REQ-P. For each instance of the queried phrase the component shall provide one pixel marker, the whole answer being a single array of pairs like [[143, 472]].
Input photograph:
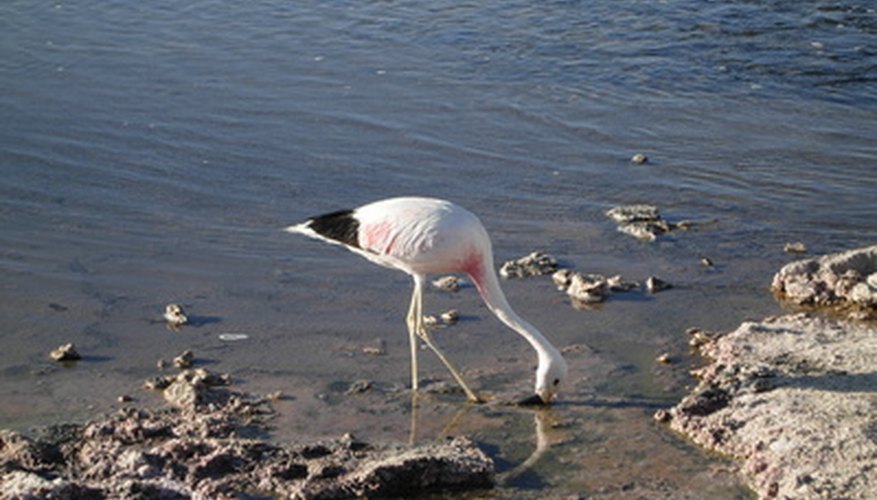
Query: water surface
[[150, 153]]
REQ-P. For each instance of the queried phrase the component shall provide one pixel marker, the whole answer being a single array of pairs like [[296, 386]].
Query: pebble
[[124, 398], [655, 284], [175, 315], [66, 352], [705, 262], [447, 283], [664, 359], [359, 387], [663, 416], [161, 364], [796, 247], [185, 359], [379, 349], [617, 284], [450, 317], [157, 383], [639, 159], [430, 320]]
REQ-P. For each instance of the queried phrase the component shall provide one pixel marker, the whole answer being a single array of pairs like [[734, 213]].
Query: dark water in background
[[150, 151]]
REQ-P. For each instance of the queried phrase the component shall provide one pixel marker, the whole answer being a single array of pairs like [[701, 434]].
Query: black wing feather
[[340, 226]]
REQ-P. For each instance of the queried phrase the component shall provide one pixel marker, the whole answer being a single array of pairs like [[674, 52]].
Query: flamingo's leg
[[422, 332]]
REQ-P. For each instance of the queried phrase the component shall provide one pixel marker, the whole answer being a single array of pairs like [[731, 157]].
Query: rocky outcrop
[[794, 398], [841, 279], [203, 447]]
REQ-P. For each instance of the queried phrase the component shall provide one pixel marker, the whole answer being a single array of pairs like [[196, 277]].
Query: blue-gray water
[[150, 151]]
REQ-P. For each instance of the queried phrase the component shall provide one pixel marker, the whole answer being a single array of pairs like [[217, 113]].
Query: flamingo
[[423, 236]]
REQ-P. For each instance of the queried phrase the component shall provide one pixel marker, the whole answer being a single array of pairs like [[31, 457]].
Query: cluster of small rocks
[[840, 279], [447, 318], [589, 289], [643, 222], [197, 448], [535, 264]]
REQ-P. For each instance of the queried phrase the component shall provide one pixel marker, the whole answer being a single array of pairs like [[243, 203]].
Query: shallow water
[[149, 154]]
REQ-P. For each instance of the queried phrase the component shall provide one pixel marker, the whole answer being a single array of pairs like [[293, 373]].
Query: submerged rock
[[535, 264], [197, 451], [846, 278], [792, 399]]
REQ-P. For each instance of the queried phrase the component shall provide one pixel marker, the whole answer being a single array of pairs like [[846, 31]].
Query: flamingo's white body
[[422, 236]]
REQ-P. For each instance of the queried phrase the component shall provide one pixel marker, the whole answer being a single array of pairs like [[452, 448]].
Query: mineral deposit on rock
[[792, 398], [835, 279]]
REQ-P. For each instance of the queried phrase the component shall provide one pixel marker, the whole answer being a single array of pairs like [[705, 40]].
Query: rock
[[663, 416], [447, 283], [185, 359], [639, 159], [378, 349], [430, 320], [617, 284], [634, 213], [450, 317], [791, 398], [664, 359], [562, 278], [587, 289], [66, 352], [535, 264], [655, 284], [175, 315], [359, 387], [797, 247], [643, 222], [196, 451], [840, 279]]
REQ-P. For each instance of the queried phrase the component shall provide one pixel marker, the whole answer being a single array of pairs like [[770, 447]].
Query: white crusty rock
[[535, 264], [792, 399], [846, 278]]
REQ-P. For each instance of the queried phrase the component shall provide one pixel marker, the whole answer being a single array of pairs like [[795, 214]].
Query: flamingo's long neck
[[487, 283]]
